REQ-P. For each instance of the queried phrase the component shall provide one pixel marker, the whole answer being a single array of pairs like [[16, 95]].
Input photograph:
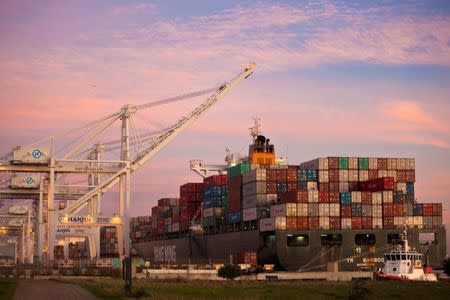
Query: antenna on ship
[[256, 129]]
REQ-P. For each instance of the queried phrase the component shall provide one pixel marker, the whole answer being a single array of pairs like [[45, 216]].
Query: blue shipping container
[[346, 198], [234, 218]]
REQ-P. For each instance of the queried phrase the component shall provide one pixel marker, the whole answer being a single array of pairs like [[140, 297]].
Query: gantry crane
[[43, 160]]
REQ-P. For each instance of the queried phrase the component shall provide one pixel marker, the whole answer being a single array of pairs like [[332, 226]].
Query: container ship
[[343, 211]]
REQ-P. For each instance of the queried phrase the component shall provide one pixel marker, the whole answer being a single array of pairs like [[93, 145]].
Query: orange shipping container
[[291, 223], [302, 223]]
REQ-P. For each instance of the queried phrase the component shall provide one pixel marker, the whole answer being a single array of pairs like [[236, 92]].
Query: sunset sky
[[332, 79]]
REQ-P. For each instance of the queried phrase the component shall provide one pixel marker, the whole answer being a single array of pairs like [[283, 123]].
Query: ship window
[[403, 256], [427, 238], [395, 238], [397, 256], [297, 240], [331, 239], [365, 239]]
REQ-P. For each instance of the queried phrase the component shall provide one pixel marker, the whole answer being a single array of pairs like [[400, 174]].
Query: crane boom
[[162, 140]]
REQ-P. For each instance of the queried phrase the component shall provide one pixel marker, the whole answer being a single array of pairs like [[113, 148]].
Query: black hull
[[217, 248]]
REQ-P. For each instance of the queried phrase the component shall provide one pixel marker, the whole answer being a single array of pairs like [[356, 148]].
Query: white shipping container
[[323, 176], [343, 187], [363, 175], [382, 173], [388, 196], [272, 199], [410, 164], [392, 173], [280, 223], [373, 163], [377, 211], [353, 163], [311, 185], [302, 209], [346, 223], [401, 163], [249, 201], [377, 198], [392, 164], [254, 175], [256, 187], [313, 196], [324, 222], [278, 210], [399, 222], [291, 209], [377, 223], [410, 221], [418, 222], [175, 227], [324, 209], [353, 175], [356, 197], [323, 163], [335, 209], [267, 224], [343, 175], [249, 214], [401, 186]]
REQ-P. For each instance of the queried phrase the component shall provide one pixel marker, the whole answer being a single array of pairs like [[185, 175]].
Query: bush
[[229, 272], [359, 291], [447, 266]]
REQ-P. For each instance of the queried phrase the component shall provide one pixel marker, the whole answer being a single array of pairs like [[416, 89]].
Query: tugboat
[[404, 264]]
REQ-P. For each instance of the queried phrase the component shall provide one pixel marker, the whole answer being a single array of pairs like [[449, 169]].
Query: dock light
[[115, 219]]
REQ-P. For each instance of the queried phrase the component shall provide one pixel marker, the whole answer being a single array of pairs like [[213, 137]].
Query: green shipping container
[[208, 221], [363, 163], [343, 162], [239, 169]]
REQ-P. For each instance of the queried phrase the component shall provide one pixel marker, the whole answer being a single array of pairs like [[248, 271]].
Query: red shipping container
[[302, 196], [333, 163], [324, 197], [353, 186], [335, 223], [215, 180], [302, 223], [427, 209], [281, 175], [388, 222], [191, 187], [184, 225], [346, 210], [313, 222], [333, 175], [356, 222], [324, 186], [288, 197], [271, 187], [366, 197], [334, 197], [367, 223], [382, 164], [401, 176], [291, 174], [291, 223], [380, 184], [271, 175], [292, 186], [410, 176], [437, 209], [388, 209], [334, 186], [373, 174], [398, 210]]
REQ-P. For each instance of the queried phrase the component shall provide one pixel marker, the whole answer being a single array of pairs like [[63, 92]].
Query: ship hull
[[274, 248]]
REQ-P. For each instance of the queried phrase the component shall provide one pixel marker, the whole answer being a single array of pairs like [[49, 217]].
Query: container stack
[[215, 201], [140, 228], [191, 197], [108, 240], [235, 192], [166, 216]]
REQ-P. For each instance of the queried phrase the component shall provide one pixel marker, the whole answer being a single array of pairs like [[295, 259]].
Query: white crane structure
[[42, 170]]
